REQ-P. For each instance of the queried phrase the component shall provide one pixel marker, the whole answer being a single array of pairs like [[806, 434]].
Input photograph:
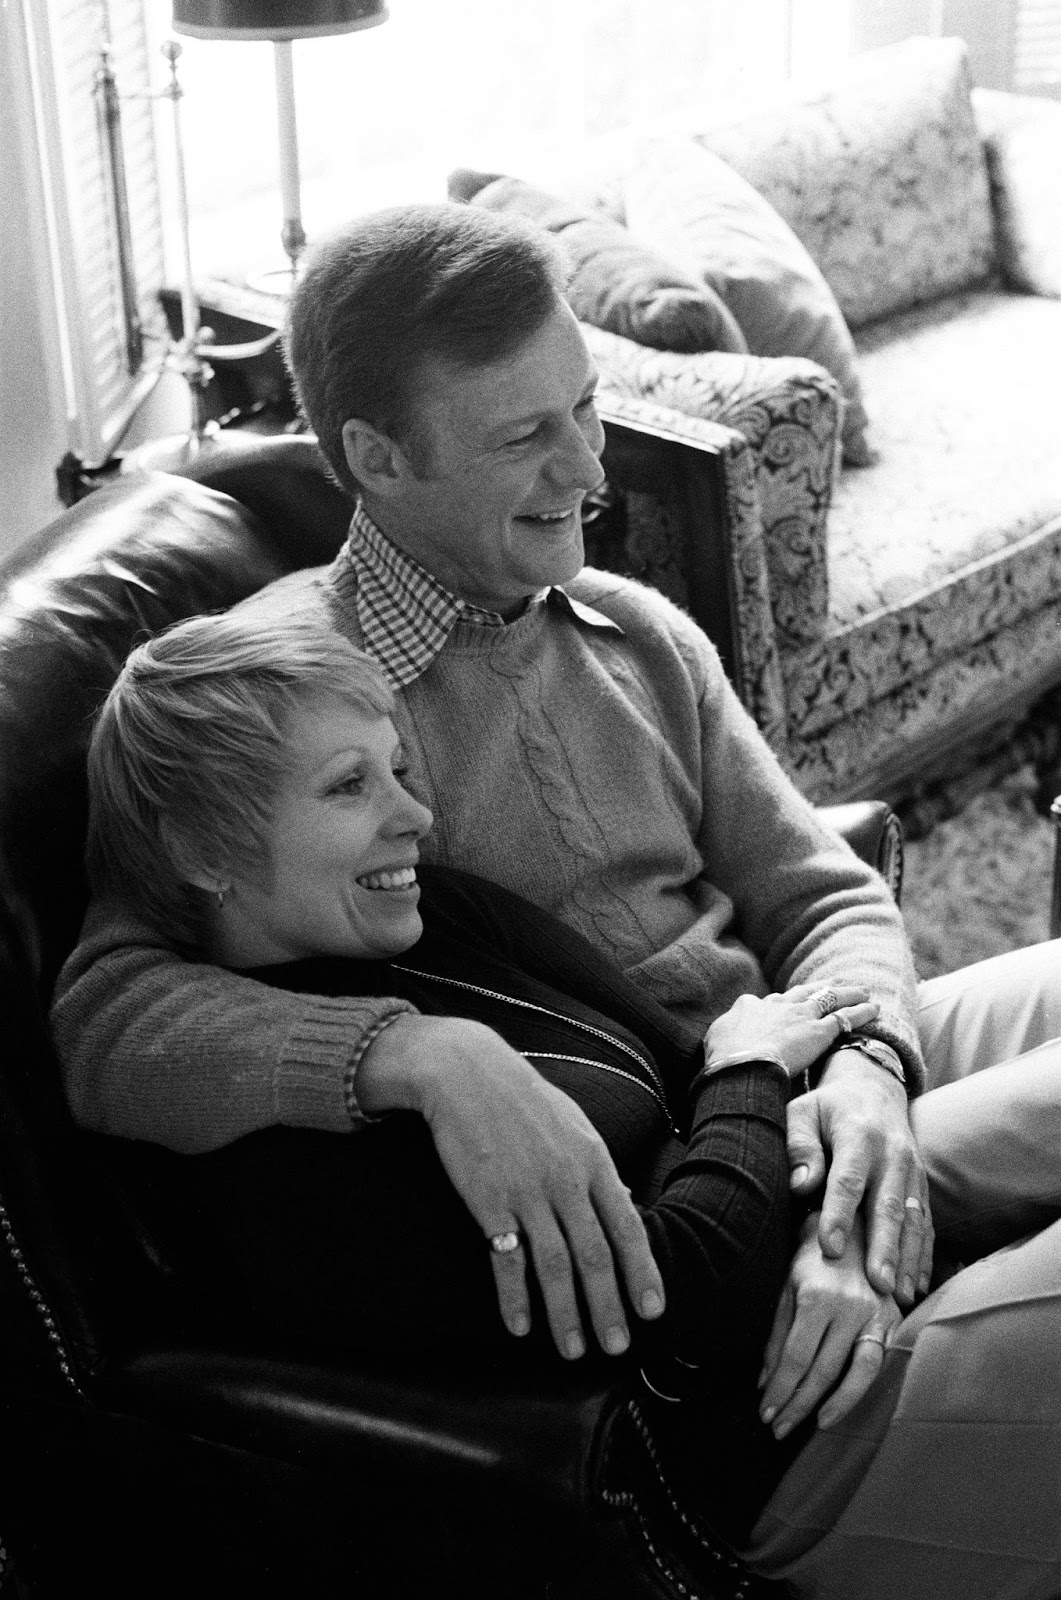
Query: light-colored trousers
[[944, 1483]]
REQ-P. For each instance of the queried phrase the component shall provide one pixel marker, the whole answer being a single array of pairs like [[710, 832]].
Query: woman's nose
[[408, 815]]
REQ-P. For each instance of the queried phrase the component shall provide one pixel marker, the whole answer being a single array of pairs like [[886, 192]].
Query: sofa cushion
[[1022, 140], [788, 410], [705, 216], [881, 174], [954, 542], [616, 282]]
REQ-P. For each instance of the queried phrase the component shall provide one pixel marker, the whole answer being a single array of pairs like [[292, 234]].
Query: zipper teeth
[[528, 1005], [602, 1066]]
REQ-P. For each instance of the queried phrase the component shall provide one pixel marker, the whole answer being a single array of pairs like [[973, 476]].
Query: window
[[1037, 47], [384, 114], [104, 274]]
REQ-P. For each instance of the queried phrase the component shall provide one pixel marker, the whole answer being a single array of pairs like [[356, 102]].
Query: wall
[[32, 404], [985, 25]]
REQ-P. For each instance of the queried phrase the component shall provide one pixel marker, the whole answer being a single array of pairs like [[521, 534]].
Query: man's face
[[506, 454]]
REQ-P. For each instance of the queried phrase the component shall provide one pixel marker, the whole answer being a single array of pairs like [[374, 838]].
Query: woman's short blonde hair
[[190, 745]]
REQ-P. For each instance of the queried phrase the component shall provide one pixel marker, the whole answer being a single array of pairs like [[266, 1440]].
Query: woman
[[247, 792]]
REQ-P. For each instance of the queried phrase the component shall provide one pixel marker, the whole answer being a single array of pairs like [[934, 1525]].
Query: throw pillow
[[616, 282], [881, 175], [705, 216], [1022, 138]]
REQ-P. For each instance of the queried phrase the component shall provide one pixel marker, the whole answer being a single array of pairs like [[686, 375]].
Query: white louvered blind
[[1037, 47], [106, 374]]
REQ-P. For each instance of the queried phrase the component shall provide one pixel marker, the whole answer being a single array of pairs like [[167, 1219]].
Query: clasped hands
[[525, 1158], [868, 1250]]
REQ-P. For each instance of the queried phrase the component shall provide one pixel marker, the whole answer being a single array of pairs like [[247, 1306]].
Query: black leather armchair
[[145, 1449]]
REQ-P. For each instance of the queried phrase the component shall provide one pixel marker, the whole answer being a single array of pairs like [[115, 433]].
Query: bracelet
[[738, 1058], [359, 1053]]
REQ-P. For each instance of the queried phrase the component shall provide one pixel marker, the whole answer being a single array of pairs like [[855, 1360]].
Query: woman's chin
[[398, 934]]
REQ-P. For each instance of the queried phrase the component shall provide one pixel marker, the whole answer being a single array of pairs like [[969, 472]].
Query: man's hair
[[189, 748], [395, 289]]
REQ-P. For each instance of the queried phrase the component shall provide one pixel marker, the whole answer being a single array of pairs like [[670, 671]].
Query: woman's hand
[[788, 1027], [526, 1159], [830, 1321]]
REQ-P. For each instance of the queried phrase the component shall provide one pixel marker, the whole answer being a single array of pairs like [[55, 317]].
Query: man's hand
[[525, 1159], [854, 1127], [828, 1337]]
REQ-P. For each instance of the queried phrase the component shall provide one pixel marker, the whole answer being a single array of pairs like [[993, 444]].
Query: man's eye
[[587, 404], [401, 773], [522, 438]]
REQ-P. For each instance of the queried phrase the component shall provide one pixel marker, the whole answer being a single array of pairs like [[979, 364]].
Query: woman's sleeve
[[719, 1225]]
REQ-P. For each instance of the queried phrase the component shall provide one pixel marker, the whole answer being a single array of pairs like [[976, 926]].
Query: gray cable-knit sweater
[[612, 778]]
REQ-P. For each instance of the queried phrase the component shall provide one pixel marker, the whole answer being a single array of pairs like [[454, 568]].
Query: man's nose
[[575, 464]]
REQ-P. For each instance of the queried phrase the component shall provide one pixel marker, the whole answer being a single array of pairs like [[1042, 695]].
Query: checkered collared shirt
[[406, 615]]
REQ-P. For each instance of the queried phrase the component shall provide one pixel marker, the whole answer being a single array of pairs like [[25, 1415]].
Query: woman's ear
[[189, 865], [373, 458]]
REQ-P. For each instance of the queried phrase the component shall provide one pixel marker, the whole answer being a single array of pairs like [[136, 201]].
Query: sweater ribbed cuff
[[353, 1066], [329, 1038]]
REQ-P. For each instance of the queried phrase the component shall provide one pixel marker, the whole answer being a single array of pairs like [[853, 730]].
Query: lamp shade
[[275, 19]]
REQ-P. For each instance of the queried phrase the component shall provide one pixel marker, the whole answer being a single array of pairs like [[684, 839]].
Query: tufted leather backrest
[[132, 557]]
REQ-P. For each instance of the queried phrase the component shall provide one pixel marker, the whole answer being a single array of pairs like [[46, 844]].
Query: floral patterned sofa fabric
[[936, 621], [788, 412], [882, 176]]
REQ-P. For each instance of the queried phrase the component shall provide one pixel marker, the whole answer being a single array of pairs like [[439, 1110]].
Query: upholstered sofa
[[890, 247]]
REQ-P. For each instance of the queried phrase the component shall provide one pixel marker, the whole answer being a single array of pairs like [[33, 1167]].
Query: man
[[577, 741]]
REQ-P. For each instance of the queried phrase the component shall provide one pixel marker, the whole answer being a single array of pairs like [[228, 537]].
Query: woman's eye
[[354, 784]]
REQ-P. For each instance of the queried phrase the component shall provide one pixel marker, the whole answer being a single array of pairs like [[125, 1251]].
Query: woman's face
[[340, 879]]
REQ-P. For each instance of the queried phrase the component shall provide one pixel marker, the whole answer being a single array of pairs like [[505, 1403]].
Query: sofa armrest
[[689, 524], [1022, 145], [874, 833], [790, 412]]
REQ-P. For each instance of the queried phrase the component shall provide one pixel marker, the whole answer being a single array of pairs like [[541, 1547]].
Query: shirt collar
[[405, 614]]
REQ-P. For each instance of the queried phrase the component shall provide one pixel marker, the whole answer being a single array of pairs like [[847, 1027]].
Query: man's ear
[[374, 459], [191, 867]]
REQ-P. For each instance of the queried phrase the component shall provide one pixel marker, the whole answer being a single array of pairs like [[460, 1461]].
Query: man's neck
[[378, 516]]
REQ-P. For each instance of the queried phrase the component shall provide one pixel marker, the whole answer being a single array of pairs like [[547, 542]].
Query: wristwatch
[[876, 1050]]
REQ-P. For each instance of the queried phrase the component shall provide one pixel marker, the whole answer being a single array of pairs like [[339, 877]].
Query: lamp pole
[[292, 234]]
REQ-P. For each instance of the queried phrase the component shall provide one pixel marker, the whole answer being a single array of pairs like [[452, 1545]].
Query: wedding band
[[843, 1019], [825, 1001], [502, 1244], [870, 1338], [914, 1204]]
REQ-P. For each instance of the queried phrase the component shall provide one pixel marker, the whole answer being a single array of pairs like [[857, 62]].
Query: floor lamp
[[281, 21]]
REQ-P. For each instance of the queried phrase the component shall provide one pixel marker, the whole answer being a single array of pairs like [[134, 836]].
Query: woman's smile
[[340, 879]]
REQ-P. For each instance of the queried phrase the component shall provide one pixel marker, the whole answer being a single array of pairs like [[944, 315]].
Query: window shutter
[[107, 371], [1037, 47]]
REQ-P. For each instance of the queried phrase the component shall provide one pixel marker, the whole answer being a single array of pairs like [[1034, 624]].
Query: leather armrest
[[875, 834]]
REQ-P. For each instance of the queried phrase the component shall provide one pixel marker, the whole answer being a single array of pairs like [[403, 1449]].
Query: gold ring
[[825, 1001], [913, 1204], [502, 1244], [871, 1338]]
